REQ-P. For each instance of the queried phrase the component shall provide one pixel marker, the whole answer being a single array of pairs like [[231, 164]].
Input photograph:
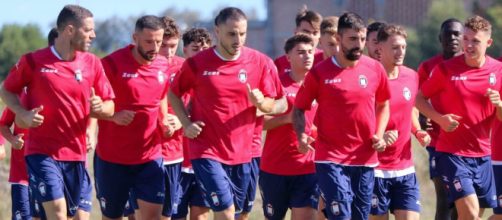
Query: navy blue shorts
[[279, 193], [464, 176], [115, 181], [172, 176], [398, 193], [347, 190], [191, 195], [20, 198], [36, 208], [253, 184], [497, 173], [223, 185], [52, 179], [131, 205], [432, 162]]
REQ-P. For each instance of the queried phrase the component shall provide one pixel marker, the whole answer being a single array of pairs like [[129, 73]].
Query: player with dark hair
[[372, 41]]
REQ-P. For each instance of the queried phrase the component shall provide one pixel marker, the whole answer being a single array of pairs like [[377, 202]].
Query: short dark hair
[[375, 27], [309, 16], [478, 23], [229, 13], [350, 20], [389, 30], [51, 37], [150, 22], [297, 39], [329, 25], [170, 27], [448, 21], [72, 14], [198, 35]]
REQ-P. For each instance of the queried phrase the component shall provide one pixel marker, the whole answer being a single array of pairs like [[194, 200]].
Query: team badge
[[406, 93], [270, 210], [335, 208], [492, 80], [458, 185], [243, 76], [214, 198], [41, 188], [161, 76], [78, 75], [374, 201], [363, 81]]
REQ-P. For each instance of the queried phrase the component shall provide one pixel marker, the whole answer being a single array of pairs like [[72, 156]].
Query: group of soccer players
[[184, 135]]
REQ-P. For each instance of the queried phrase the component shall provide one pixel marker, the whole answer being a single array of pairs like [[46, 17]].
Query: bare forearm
[[12, 101], [107, 112], [280, 106], [272, 122], [299, 122], [179, 109], [7, 134], [426, 108], [382, 118], [267, 106], [415, 123]]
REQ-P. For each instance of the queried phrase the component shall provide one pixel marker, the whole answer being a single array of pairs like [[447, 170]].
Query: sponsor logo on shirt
[[243, 76], [210, 73], [492, 79], [332, 81], [335, 208], [406, 93], [130, 75], [290, 94], [48, 70], [363, 81], [458, 78]]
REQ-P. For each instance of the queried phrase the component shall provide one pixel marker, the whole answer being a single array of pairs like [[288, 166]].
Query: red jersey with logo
[[220, 100], [424, 72], [404, 89], [172, 147], [465, 89], [138, 88], [63, 88], [280, 153], [497, 138], [345, 118], [283, 65], [18, 172]]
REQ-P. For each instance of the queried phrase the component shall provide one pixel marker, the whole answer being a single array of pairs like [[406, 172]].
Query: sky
[[44, 12]]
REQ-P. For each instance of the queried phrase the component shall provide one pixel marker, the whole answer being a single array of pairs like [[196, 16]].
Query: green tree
[[15, 40], [428, 32], [493, 14]]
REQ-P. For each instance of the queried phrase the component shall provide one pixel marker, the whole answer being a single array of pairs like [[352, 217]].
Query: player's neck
[[447, 55], [298, 75], [392, 71], [222, 53], [64, 50], [479, 62], [343, 62], [138, 57]]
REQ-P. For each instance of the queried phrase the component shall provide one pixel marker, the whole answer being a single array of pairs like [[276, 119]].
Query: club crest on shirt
[[363, 81], [161, 76], [243, 76], [406, 93], [78, 75], [171, 77], [492, 79]]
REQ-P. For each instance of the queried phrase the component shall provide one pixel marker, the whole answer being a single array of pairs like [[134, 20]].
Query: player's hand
[[449, 122], [96, 103], [18, 143], [255, 96], [90, 141], [167, 127], [193, 130], [123, 117], [423, 137], [304, 144], [390, 137], [174, 121], [31, 118], [378, 143], [494, 97], [2, 152]]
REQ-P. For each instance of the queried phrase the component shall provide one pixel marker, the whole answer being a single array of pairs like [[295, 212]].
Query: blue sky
[[44, 12]]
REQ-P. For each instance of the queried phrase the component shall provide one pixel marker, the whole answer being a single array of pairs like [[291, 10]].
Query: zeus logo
[[210, 73]]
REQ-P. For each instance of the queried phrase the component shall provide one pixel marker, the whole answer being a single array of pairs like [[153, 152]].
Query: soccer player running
[[65, 86], [353, 110], [372, 41], [396, 185], [221, 133], [128, 154], [468, 89], [307, 22], [450, 37], [287, 177], [191, 196]]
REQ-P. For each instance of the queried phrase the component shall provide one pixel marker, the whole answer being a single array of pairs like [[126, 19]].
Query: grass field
[[428, 200]]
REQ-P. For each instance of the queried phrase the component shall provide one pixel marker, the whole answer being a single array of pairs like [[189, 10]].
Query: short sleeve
[[382, 93], [184, 79], [20, 75], [435, 83], [308, 91], [101, 84]]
